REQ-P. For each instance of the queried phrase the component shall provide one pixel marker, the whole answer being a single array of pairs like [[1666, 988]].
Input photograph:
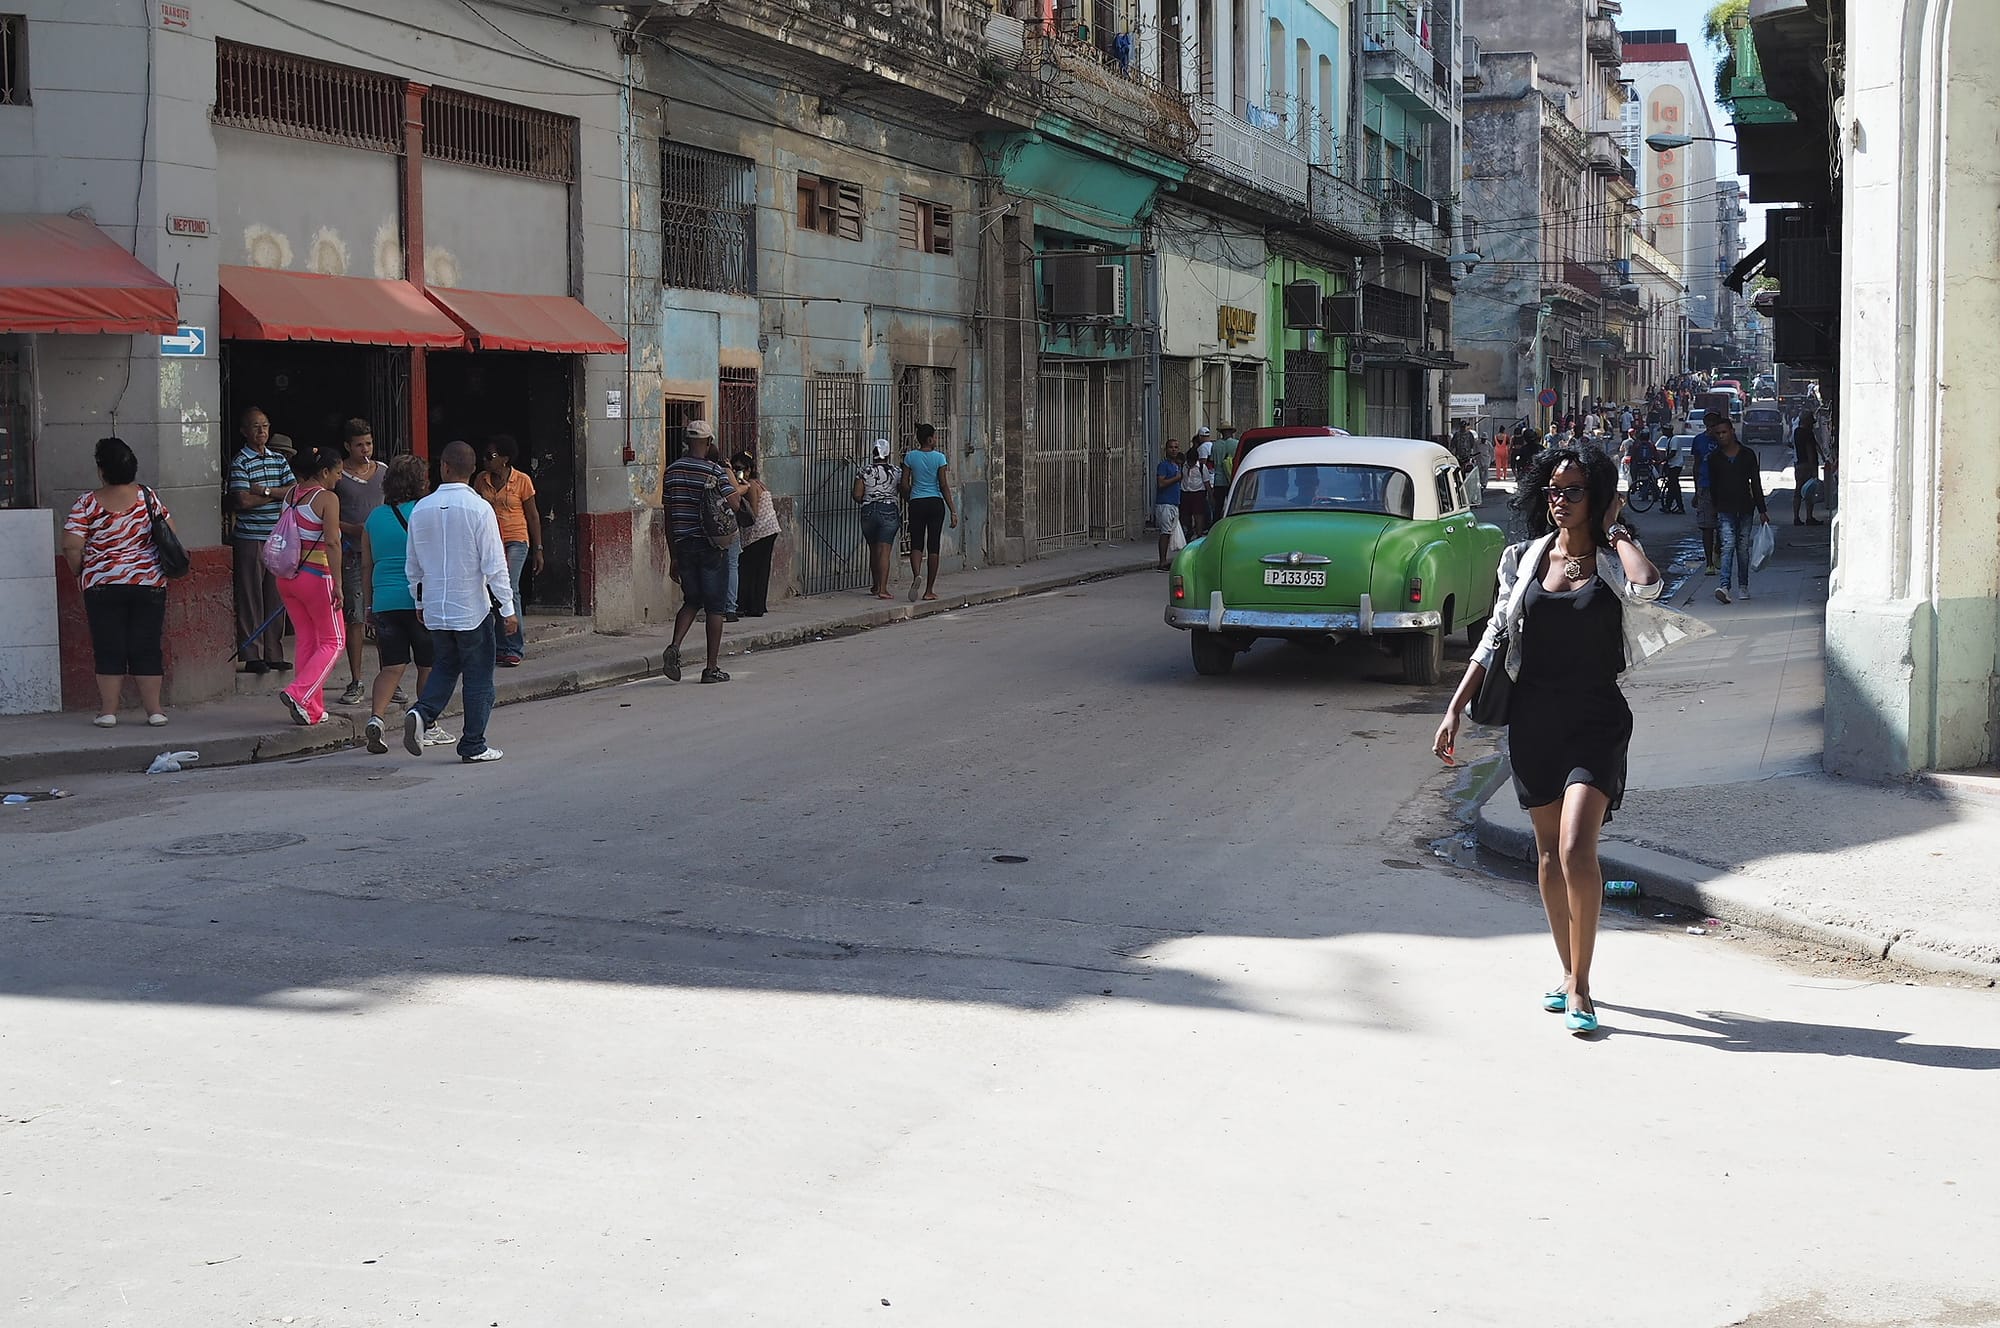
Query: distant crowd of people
[[1190, 486]]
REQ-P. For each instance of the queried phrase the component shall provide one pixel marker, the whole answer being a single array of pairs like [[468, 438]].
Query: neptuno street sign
[[185, 341]]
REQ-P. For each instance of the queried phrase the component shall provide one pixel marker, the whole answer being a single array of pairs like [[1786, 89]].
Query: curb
[[1733, 897], [33, 769]]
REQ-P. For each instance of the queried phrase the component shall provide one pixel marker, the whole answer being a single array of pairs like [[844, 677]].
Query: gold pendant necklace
[[1574, 567]]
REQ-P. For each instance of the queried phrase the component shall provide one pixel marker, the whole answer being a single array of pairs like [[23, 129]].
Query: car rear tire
[[1213, 657], [1423, 657]]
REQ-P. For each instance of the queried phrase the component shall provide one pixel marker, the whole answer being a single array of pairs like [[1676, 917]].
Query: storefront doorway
[[309, 388], [531, 396]]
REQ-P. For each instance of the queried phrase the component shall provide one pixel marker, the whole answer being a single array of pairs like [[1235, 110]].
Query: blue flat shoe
[[1555, 1002], [1579, 1020]]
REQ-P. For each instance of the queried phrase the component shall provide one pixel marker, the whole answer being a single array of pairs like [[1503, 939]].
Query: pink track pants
[[322, 636]]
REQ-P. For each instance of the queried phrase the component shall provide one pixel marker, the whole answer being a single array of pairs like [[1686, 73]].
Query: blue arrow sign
[[185, 341]]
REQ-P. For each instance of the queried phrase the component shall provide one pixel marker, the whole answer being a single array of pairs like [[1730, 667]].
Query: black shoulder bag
[[1496, 692], [173, 555]]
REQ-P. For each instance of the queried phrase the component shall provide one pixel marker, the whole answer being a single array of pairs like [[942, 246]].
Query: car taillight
[[1179, 588], [1416, 590]]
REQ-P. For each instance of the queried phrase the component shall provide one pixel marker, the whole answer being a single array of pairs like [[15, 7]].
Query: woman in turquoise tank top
[[927, 484]]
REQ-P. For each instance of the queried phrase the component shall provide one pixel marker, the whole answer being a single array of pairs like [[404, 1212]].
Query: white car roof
[[1408, 454], [1415, 458]]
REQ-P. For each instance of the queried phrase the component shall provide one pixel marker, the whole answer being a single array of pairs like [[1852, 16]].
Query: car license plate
[[1293, 576]]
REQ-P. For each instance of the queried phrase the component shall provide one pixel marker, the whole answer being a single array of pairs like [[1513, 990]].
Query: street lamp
[[1670, 142]]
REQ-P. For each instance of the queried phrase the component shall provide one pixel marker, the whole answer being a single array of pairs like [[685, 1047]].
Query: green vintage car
[[1330, 536]]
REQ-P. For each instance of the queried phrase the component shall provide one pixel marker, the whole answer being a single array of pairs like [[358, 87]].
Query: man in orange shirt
[[512, 494]]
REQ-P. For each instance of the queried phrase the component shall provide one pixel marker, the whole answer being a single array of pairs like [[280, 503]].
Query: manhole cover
[[216, 846]]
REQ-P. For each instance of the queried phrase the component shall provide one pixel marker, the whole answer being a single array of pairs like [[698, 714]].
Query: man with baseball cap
[[701, 569]]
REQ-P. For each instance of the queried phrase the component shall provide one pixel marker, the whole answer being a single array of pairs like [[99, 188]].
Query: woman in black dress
[[1559, 629]]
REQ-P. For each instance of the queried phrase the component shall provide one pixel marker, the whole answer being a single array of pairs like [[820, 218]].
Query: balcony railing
[[1559, 127], [1409, 215], [1392, 313], [1336, 202], [1583, 276], [1601, 36], [1399, 62], [1262, 158], [1605, 155]]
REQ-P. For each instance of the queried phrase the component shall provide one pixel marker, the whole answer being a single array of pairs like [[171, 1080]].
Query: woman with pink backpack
[[309, 579]]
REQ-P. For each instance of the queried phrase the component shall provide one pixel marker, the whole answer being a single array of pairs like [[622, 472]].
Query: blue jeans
[[468, 655], [1737, 528], [516, 641], [734, 555]]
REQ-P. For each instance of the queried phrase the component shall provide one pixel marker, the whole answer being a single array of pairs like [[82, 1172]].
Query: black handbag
[[1496, 692], [173, 556]]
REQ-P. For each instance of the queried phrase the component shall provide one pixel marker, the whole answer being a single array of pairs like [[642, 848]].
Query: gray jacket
[[1649, 629]]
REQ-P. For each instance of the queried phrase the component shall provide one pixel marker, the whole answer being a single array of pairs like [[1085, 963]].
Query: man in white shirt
[[457, 569]]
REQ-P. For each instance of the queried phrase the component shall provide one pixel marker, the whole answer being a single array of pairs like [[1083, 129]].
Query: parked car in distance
[[1697, 420], [1761, 425], [1326, 537]]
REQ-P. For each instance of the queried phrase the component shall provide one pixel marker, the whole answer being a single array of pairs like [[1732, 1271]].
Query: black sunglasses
[[1566, 493]]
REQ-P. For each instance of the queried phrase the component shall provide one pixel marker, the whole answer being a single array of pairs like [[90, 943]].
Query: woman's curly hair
[[1600, 474]]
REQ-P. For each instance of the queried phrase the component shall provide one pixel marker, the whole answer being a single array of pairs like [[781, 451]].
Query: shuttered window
[[830, 207], [924, 226]]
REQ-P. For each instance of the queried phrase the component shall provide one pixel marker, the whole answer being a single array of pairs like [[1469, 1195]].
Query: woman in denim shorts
[[876, 489]]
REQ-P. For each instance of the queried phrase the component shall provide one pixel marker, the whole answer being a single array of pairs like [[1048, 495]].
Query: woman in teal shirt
[[388, 608], [927, 484]]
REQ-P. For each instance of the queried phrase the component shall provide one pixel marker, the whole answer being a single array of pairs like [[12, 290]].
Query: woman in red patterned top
[[108, 543]]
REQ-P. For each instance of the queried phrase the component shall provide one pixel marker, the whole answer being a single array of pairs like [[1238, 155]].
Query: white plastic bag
[[1762, 545], [1177, 539]]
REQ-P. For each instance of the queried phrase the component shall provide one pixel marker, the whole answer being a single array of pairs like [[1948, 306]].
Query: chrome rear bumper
[[1280, 623]]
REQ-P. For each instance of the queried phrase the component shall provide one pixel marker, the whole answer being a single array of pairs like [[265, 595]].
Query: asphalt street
[[992, 969]]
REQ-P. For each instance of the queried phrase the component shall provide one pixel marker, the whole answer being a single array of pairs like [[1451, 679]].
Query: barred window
[[708, 212], [924, 226], [499, 136], [278, 93], [830, 207], [13, 60]]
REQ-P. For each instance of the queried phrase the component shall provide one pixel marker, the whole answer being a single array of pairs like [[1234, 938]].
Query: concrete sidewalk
[[1727, 810], [38, 751]]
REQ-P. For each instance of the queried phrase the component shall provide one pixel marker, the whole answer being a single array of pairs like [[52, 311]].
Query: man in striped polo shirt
[[260, 480]]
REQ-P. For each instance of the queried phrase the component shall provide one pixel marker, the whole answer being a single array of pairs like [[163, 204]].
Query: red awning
[[528, 322], [263, 304], [62, 274]]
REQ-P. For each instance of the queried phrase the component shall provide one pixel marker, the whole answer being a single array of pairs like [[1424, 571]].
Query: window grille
[[675, 415], [499, 136], [830, 207], [708, 209], [277, 93], [13, 60], [736, 411], [924, 226], [925, 395]]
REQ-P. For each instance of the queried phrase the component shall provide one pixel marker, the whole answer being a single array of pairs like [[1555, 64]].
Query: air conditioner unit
[[1111, 290], [1302, 304], [1069, 284], [1343, 314]]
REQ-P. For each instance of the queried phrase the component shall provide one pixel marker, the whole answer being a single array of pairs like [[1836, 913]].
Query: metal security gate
[[1392, 403], [843, 416], [1113, 482], [1177, 399], [1305, 387], [1084, 482], [1062, 458], [1246, 410]]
